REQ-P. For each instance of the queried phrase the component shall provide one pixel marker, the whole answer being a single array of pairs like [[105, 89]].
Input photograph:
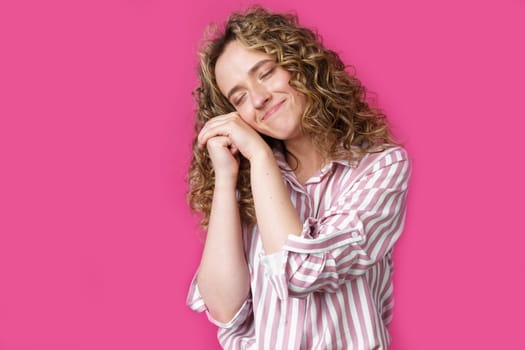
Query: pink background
[[97, 245]]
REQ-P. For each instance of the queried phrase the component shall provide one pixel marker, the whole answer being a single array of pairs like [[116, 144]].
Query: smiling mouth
[[272, 110]]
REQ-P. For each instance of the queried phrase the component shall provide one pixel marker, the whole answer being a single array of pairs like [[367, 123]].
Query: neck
[[306, 160]]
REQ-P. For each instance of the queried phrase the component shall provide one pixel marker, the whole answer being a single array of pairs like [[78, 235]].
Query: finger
[[218, 120], [219, 125], [218, 128], [218, 142], [208, 134]]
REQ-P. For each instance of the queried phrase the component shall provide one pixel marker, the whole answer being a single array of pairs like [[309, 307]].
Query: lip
[[269, 113]]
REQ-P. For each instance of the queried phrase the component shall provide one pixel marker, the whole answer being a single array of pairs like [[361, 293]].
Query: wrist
[[225, 182], [264, 155]]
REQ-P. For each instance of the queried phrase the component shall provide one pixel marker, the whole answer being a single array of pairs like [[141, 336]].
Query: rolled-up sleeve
[[196, 303], [350, 237]]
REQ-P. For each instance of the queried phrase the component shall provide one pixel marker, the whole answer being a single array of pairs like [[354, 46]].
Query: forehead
[[234, 64]]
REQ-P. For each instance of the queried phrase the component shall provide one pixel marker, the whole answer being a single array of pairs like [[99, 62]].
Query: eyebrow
[[250, 72]]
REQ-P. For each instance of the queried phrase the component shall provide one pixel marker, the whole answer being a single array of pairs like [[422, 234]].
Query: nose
[[260, 96]]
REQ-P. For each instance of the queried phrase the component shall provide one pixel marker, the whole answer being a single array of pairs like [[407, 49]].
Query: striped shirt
[[330, 287]]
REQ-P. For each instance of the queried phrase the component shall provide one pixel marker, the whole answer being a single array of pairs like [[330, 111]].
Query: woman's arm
[[223, 277], [276, 216]]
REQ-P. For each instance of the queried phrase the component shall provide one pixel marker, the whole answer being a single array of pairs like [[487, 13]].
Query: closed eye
[[238, 100], [267, 73]]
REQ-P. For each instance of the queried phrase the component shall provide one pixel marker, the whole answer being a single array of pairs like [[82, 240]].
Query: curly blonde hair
[[337, 115]]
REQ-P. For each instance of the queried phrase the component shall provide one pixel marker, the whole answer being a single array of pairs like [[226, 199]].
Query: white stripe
[[282, 321], [345, 322], [355, 320], [269, 315], [366, 312], [334, 320], [293, 321], [327, 335]]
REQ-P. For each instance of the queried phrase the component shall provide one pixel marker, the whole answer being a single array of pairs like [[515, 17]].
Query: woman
[[302, 192]]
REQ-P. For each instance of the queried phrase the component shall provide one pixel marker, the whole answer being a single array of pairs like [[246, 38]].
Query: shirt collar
[[289, 174]]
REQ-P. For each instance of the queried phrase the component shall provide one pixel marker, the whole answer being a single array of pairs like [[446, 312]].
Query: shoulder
[[382, 156], [383, 165]]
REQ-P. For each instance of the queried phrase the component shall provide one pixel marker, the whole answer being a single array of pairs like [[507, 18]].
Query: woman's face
[[259, 90]]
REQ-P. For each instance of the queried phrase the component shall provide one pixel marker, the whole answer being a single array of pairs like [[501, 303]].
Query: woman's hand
[[223, 156], [229, 132]]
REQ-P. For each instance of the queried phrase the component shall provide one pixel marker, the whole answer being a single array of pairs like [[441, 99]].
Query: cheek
[[246, 115], [302, 100], [299, 98], [284, 82]]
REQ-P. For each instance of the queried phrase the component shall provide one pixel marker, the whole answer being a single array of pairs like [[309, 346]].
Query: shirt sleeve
[[196, 303], [351, 237]]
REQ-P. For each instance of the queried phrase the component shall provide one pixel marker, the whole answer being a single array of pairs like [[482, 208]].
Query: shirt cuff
[[236, 320], [196, 303], [273, 263], [274, 270], [311, 242], [194, 299]]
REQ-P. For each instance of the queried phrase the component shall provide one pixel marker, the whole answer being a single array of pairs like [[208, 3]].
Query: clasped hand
[[226, 135]]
